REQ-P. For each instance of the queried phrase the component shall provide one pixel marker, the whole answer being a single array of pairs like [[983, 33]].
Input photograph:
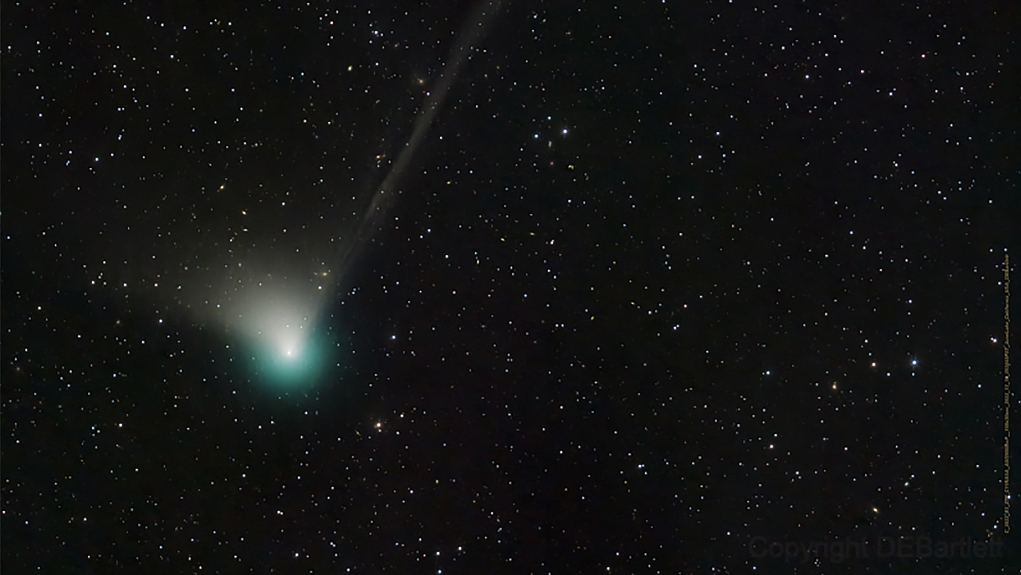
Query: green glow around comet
[[276, 319], [291, 361]]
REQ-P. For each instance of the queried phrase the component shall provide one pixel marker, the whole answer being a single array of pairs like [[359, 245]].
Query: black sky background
[[653, 285]]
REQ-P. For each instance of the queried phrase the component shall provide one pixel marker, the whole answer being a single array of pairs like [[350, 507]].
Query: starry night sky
[[569, 287]]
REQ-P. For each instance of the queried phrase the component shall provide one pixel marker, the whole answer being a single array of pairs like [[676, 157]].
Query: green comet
[[291, 362], [284, 342]]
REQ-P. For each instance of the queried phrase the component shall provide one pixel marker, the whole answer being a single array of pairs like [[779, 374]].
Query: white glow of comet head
[[276, 316], [282, 325], [286, 340]]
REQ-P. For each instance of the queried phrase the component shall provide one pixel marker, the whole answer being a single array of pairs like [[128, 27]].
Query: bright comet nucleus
[[277, 319]]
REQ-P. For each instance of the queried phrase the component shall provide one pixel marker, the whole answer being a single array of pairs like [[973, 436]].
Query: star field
[[491, 287]]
